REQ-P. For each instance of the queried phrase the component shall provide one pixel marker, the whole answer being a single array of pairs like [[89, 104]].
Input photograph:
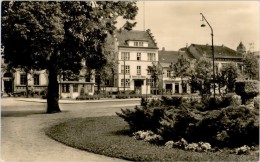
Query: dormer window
[[138, 44]]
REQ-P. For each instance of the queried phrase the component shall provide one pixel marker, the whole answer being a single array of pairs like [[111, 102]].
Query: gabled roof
[[135, 35], [167, 57], [219, 51]]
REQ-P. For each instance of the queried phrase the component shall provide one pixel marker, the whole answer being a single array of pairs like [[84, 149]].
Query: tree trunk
[[98, 84], [26, 82], [53, 90]]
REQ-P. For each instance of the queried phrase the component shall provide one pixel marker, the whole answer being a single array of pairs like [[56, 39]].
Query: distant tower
[[241, 48], [251, 47]]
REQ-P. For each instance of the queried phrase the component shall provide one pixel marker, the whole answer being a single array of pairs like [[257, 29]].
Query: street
[[23, 124]]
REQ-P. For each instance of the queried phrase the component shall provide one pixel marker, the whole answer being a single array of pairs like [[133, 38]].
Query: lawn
[[109, 136]]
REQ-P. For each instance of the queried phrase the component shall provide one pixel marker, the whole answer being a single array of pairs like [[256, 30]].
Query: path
[[23, 124]]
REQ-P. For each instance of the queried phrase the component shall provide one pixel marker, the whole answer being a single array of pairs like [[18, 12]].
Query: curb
[[79, 101]]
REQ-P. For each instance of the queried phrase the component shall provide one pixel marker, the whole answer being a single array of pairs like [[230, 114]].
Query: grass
[[110, 136]]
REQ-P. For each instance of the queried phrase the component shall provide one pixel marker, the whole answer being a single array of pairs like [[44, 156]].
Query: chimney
[[163, 49]]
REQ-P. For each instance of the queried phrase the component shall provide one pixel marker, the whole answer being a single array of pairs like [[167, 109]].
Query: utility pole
[[212, 48], [124, 72]]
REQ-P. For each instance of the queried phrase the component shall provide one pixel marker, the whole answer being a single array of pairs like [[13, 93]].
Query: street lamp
[[212, 47]]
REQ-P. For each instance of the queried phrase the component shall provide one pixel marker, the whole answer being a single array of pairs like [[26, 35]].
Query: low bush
[[232, 126], [172, 101], [142, 118], [88, 97], [256, 102], [229, 126], [247, 89]]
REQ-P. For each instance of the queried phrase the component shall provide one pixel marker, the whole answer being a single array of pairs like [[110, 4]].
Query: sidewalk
[[64, 101]]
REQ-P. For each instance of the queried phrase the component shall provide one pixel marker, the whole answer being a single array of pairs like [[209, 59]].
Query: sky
[[175, 24]]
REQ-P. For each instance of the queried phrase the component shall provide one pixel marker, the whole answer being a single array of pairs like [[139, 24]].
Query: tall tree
[[202, 75], [181, 68], [57, 35], [155, 72], [251, 66], [228, 75]]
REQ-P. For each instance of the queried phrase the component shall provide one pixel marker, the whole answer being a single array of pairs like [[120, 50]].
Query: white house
[[134, 52]]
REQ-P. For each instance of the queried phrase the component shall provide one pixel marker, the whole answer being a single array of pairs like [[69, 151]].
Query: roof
[[163, 64], [168, 56], [135, 35], [219, 51], [171, 56]]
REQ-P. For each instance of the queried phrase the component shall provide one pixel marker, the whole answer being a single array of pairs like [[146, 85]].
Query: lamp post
[[212, 48], [124, 72]]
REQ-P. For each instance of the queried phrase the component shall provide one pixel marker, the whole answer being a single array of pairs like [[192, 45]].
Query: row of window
[[66, 88], [138, 44], [138, 70], [127, 82], [36, 79], [126, 56]]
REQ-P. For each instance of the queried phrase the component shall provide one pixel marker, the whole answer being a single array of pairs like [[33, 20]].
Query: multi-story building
[[223, 56], [14, 82], [134, 52]]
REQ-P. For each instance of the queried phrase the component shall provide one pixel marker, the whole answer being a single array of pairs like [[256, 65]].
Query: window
[[75, 87], [23, 79], [168, 73], [127, 82], [36, 79], [138, 70], [65, 88], [138, 56], [148, 70], [127, 69], [138, 44], [125, 55], [151, 56], [151, 82]]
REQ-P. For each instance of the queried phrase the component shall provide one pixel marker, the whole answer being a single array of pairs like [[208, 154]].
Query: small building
[[169, 84]]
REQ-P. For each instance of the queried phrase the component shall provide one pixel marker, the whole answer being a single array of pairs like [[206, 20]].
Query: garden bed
[[110, 136]]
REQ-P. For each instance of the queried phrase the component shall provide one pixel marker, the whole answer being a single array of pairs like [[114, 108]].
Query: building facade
[[135, 51], [223, 56], [172, 85]]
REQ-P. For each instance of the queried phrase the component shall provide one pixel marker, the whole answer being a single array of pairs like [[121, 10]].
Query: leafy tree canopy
[[57, 35]]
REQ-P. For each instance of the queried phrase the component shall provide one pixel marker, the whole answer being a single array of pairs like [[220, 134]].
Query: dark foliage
[[222, 125], [247, 89]]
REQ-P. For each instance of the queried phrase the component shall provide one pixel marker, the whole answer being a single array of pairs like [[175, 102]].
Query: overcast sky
[[176, 23]]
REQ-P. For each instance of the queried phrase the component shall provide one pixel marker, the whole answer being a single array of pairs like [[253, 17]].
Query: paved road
[[23, 125]]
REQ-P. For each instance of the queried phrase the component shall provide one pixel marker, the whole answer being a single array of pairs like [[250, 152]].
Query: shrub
[[142, 118], [147, 136], [176, 123], [88, 97], [256, 102], [172, 101], [231, 126], [247, 89]]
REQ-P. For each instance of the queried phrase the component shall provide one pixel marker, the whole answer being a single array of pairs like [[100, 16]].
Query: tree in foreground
[[201, 76], [251, 66], [57, 35], [155, 72], [181, 68], [228, 75]]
